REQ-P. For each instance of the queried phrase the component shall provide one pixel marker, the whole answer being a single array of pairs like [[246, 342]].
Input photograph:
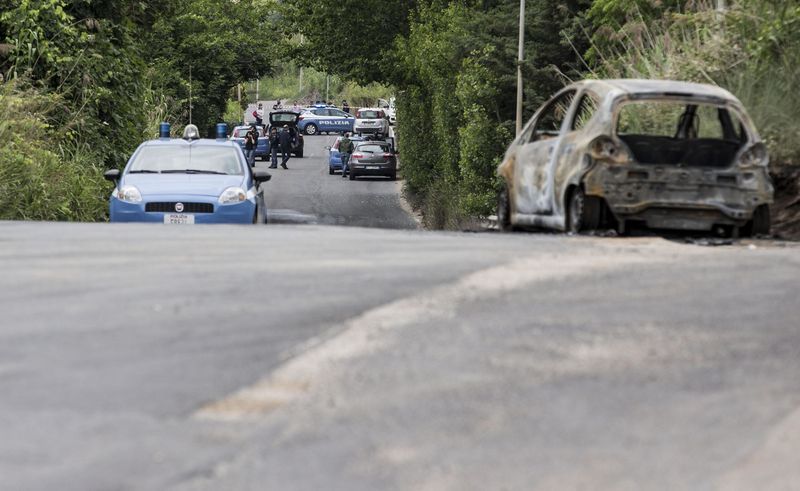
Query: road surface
[[306, 357], [306, 193]]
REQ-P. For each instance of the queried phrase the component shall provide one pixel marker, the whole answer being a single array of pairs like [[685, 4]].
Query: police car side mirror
[[260, 175], [112, 175]]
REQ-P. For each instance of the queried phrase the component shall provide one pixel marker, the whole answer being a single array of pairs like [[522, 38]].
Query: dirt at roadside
[[786, 209]]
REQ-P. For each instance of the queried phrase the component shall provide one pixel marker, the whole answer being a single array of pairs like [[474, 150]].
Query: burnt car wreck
[[614, 153]]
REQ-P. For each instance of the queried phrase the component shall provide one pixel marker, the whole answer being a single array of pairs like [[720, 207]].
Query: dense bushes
[[41, 178], [456, 114], [98, 78]]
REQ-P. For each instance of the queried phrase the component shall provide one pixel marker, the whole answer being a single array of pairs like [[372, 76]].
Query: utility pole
[[300, 88], [190, 94], [327, 88], [258, 86], [520, 59]]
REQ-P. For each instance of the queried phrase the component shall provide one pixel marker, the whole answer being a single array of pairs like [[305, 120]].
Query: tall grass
[[735, 50], [41, 178], [285, 85]]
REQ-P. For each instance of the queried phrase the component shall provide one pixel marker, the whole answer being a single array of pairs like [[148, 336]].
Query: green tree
[[351, 38]]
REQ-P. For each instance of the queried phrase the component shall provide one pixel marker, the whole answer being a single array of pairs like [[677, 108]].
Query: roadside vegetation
[[285, 84], [95, 78], [85, 82], [453, 65]]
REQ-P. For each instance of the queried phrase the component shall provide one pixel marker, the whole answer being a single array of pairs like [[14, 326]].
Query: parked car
[[334, 158], [187, 181], [323, 119], [613, 153], [262, 148], [390, 108], [279, 119], [371, 121], [373, 158]]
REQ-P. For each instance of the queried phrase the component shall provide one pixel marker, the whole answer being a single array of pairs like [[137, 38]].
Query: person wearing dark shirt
[[274, 143], [250, 144], [285, 140]]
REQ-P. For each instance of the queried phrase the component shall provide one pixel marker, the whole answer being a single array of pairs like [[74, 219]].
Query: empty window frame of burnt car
[[694, 163]]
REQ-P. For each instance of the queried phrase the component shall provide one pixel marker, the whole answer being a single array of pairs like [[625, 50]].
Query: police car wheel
[[311, 129]]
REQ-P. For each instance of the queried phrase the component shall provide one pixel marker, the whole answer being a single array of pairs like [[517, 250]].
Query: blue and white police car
[[262, 148], [188, 180], [323, 119], [334, 157]]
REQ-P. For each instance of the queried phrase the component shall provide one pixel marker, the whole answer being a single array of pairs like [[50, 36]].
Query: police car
[[262, 149], [324, 119], [188, 180]]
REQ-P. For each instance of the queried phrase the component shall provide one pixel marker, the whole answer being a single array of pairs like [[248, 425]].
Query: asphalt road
[[306, 193], [139, 357]]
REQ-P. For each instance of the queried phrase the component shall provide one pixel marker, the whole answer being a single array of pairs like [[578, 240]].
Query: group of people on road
[[278, 141]]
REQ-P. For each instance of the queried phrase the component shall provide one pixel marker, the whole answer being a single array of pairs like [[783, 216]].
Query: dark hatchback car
[[278, 119], [373, 158]]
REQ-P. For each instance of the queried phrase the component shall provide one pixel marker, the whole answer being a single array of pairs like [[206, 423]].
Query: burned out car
[[614, 153]]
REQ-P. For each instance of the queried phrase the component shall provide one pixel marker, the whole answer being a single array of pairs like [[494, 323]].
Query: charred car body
[[611, 153]]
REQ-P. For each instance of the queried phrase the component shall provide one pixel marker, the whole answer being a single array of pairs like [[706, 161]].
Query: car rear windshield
[[211, 159], [678, 119], [372, 148], [678, 132], [368, 114], [241, 132], [283, 117]]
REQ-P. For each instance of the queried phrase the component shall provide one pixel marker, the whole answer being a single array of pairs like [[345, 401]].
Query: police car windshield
[[194, 159]]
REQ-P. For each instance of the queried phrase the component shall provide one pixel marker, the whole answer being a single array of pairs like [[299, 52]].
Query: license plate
[[373, 167], [178, 219]]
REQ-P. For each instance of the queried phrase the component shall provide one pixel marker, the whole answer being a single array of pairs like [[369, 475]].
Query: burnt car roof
[[655, 87]]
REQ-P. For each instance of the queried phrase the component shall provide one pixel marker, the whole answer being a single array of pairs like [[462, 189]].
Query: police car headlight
[[232, 195], [129, 194]]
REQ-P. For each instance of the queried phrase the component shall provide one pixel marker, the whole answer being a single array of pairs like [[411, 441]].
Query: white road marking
[[773, 464], [377, 328]]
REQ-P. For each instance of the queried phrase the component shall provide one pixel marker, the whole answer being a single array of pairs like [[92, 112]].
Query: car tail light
[[300, 118], [387, 155], [358, 155], [606, 149], [755, 156]]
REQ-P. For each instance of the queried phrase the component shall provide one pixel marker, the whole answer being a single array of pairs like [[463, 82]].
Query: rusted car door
[[572, 147], [535, 156]]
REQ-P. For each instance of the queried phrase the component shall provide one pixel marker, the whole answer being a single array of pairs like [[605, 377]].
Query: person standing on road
[[296, 108], [250, 144], [345, 149], [285, 140], [345, 107], [274, 142]]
